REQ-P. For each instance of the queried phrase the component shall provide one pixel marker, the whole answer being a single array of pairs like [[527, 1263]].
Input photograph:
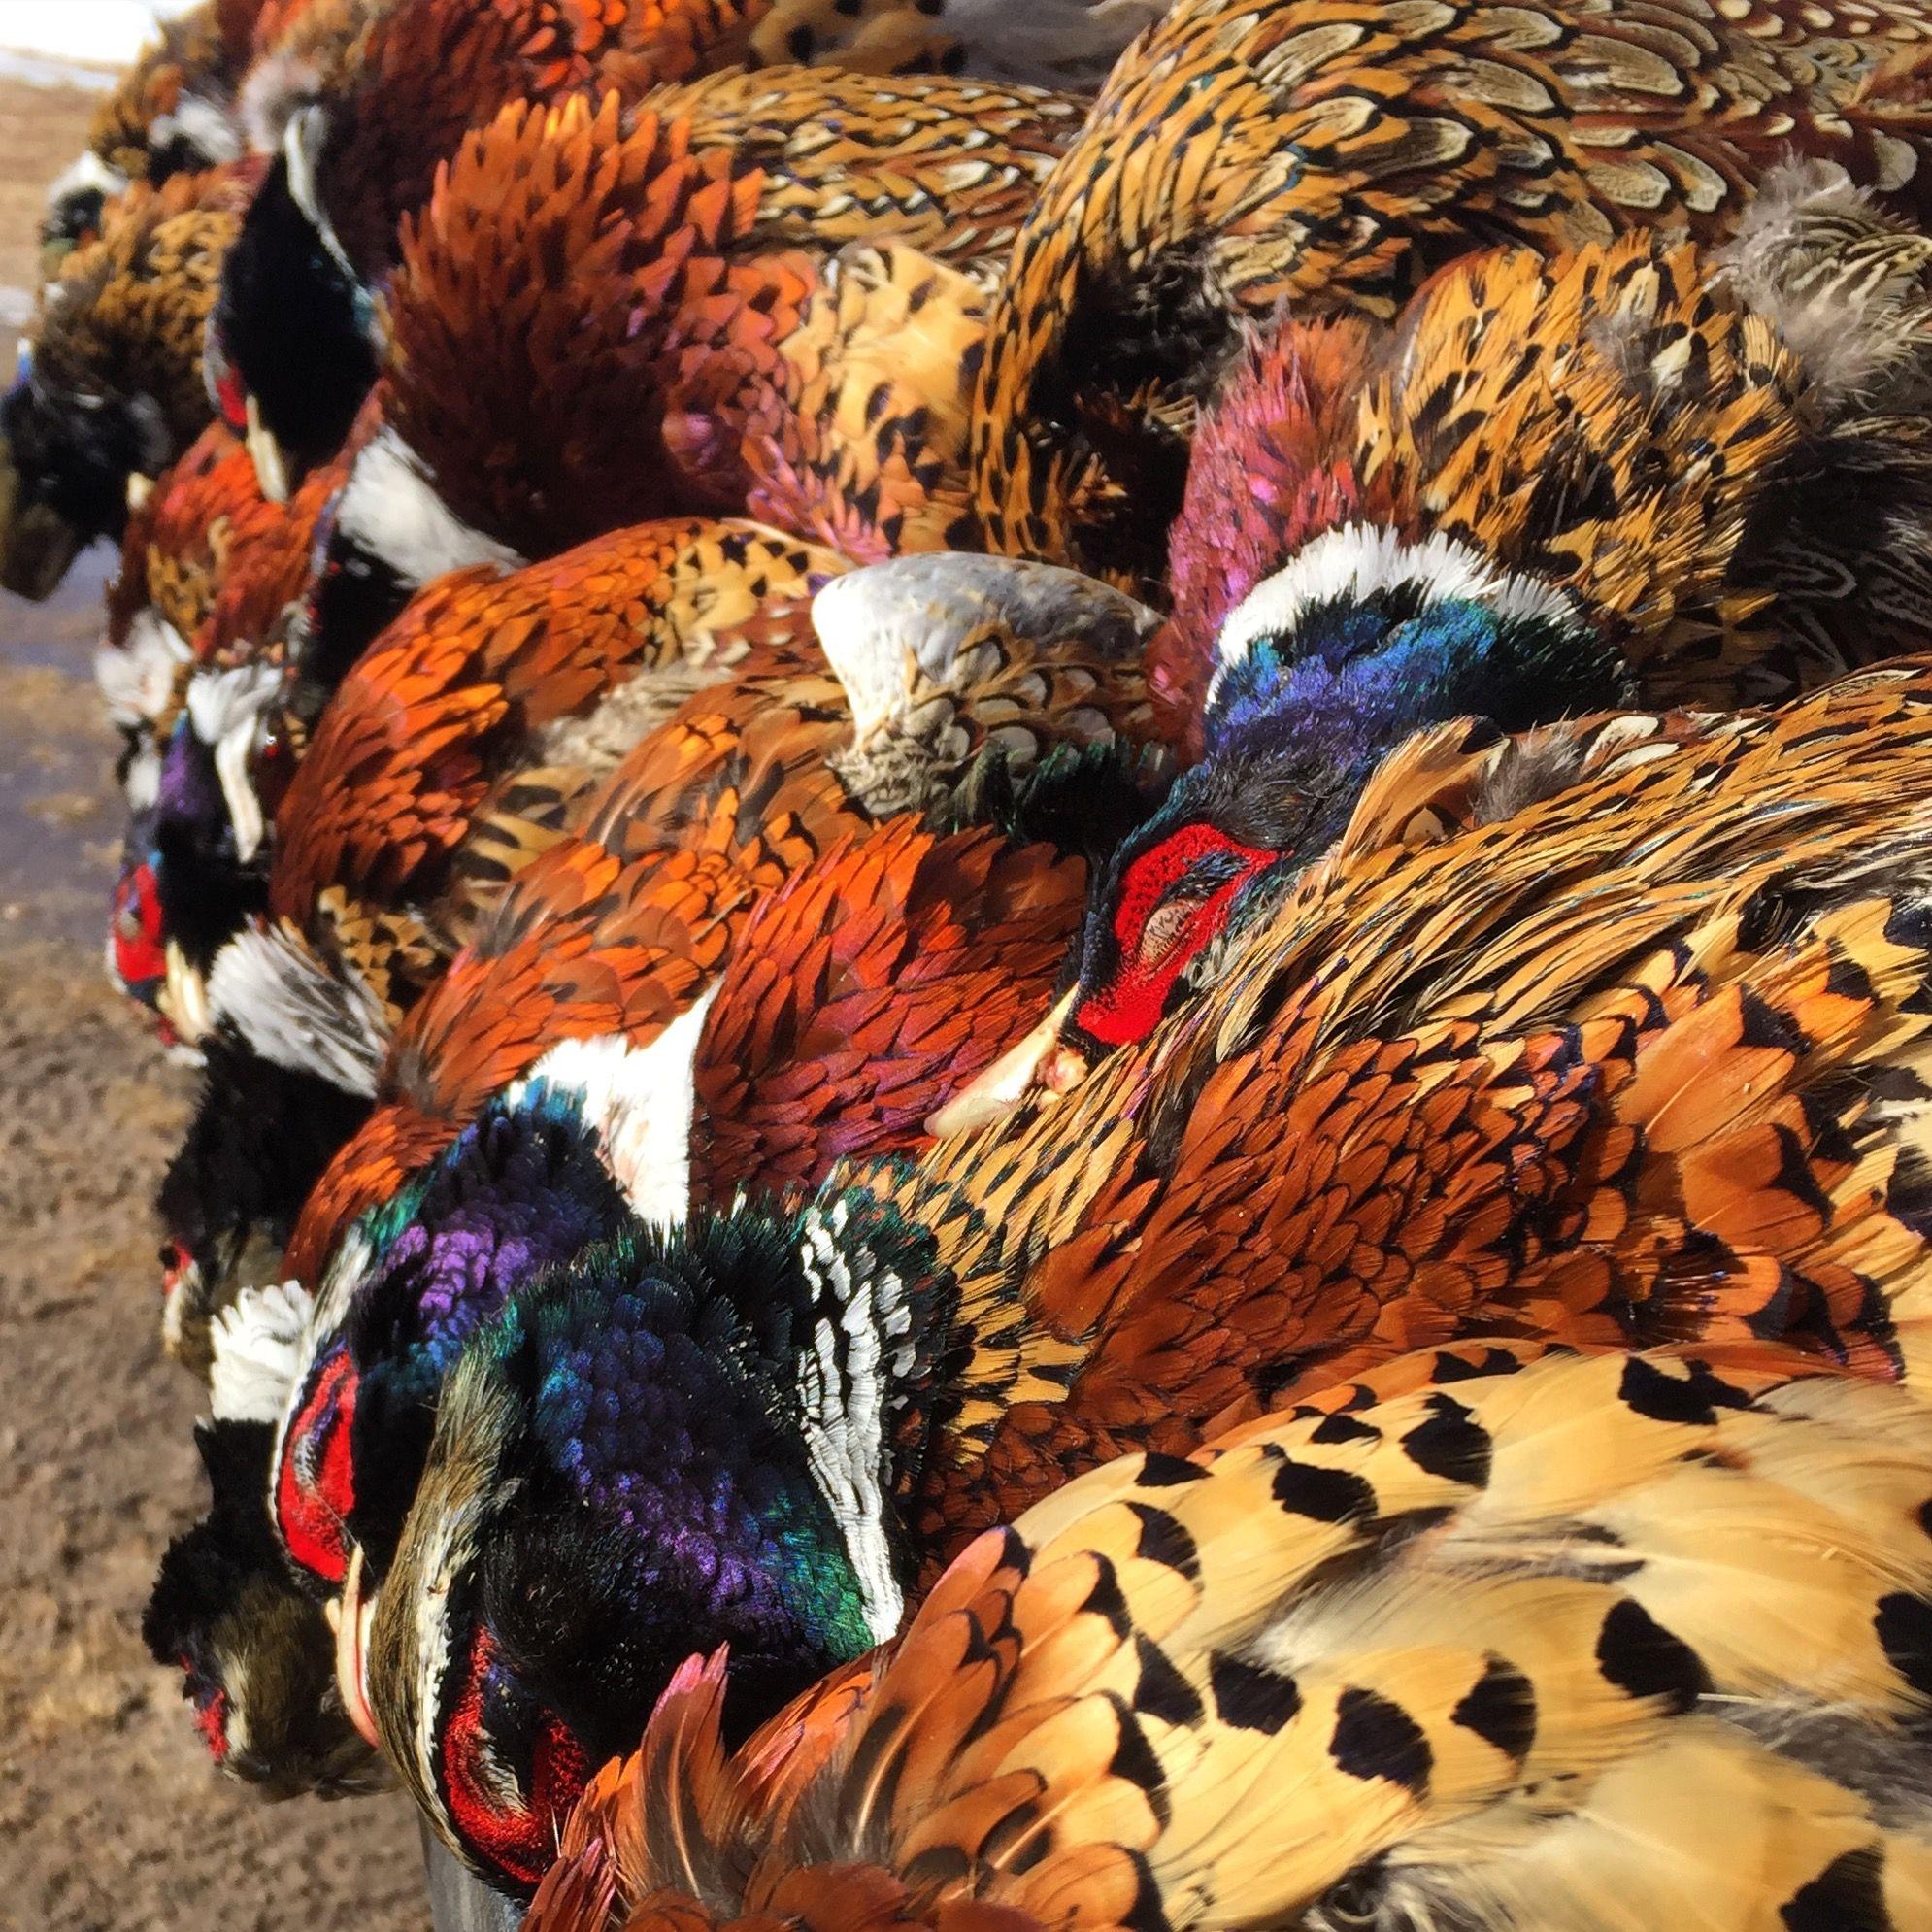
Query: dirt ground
[[110, 1813]]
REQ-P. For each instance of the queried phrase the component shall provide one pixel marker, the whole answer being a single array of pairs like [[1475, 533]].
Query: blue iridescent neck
[[1359, 674], [524, 1187]]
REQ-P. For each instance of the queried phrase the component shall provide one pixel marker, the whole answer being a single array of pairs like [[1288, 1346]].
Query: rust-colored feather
[[1604, 1066]]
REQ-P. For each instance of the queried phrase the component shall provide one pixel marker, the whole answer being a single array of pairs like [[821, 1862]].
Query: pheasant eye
[[1166, 927]]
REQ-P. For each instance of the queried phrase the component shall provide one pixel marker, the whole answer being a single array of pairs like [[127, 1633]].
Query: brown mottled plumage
[[587, 287], [1328, 156], [1576, 1041], [1601, 1642], [111, 382], [471, 734]]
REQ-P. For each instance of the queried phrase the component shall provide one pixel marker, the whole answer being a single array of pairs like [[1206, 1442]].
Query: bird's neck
[[523, 1189], [1363, 640], [735, 1418]]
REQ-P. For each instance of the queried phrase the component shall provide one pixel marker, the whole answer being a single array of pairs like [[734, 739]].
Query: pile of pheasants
[[1057, 880]]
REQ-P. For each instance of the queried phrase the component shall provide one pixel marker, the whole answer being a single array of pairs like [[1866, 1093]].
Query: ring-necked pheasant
[[1247, 153], [1545, 488], [611, 935], [362, 154], [1644, 1059], [1598, 1642], [110, 381]]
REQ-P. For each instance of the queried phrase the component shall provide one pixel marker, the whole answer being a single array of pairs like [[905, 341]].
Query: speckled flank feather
[[1310, 150], [862, 438], [615, 930], [945, 658], [1599, 1643], [1058, 44], [1645, 1060], [175, 552]]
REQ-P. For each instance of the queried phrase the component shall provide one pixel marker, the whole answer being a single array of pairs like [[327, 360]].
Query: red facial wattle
[[210, 1712], [315, 1483], [1159, 936], [176, 1261], [521, 1843], [231, 398], [139, 956]]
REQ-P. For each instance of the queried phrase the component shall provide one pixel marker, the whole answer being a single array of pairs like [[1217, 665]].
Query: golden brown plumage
[[110, 382], [602, 315], [1712, 495], [473, 733], [1327, 155], [1600, 1643], [1550, 486], [619, 928], [1601, 1066]]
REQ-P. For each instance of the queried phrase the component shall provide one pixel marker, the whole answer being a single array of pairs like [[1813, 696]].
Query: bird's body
[[1599, 1071], [1596, 1642], [109, 383], [1330, 157], [1547, 488]]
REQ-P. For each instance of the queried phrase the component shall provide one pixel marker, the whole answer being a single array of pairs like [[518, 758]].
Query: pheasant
[[282, 1726], [172, 111], [1596, 1642], [591, 281], [611, 936], [476, 1146], [298, 322], [1641, 1061], [469, 740], [1250, 153], [1545, 490], [202, 623], [109, 383]]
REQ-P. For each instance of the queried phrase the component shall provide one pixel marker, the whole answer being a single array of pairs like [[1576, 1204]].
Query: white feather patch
[[639, 1099], [199, 124], [303, 139], [391, 509], [226, 709], [1358, 560], [292, 1008], [845, 1382], [137, 679], [257, 1344], [89, 175]]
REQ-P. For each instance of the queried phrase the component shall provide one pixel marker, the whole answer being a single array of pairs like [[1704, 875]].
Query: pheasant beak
[[184, 995], [265, 452], [1042, 1063], [352, 1617]]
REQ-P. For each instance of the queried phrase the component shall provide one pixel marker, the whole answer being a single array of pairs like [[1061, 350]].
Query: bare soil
[[111, 1814]]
